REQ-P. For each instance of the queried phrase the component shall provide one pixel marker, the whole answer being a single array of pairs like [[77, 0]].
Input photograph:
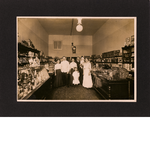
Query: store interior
[[108, 43]]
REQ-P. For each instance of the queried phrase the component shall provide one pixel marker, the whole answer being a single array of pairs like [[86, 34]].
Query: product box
[[132, 40], [119, 59], [128, 41]]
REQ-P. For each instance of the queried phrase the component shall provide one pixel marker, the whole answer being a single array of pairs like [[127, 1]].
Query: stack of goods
[[25, 43], [29, 79], [129, 41], [22, 54], [119, 73], [116, 52], [50, 59], [114, 59], [126, 55], [115, 65], [119, 59], [28, 43], [132, 49], [23, 60], [127, 66], [114, 73], [93, 56], [30, 54], [98, 60], [123, 73], [97, 82], [43, 60], [132, 40]]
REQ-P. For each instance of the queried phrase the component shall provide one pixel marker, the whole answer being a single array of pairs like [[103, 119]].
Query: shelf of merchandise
[[129, 51]]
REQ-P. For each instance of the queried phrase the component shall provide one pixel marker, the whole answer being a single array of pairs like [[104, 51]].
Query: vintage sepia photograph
[[76, 59]]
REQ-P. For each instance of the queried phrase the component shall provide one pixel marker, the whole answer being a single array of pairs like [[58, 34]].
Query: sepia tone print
[[76, 59]]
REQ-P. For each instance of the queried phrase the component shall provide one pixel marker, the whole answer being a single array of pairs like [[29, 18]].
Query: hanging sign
[[74, 49]]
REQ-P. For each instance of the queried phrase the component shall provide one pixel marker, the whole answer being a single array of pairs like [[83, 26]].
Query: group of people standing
[[73, 73]]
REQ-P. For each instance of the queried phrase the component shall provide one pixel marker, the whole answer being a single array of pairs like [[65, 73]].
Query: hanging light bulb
[[79, 27]]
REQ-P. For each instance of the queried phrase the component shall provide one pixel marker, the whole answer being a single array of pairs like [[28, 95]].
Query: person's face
[[78, 59], [58, 61], [86, 60], [72, 60], [64, 58], [75, 69]]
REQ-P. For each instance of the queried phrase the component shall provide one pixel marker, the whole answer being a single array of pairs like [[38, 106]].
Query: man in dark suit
[[80, 70]]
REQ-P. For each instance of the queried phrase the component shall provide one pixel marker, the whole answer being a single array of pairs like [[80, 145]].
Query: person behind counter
[[72, 66], [58, 75], [87, 78], [65, 70]]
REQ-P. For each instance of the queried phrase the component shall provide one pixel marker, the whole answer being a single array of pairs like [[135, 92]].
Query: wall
[[112, 35], [83, 45], [31, 29]]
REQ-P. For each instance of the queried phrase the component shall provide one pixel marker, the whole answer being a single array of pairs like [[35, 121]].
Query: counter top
[[29, 94]]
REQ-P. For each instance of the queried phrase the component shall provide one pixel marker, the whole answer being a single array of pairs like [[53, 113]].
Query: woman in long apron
[[58, 75], [87, 78]]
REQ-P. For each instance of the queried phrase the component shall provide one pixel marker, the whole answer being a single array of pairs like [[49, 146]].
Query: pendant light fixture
[[72, 45], [79, 26]]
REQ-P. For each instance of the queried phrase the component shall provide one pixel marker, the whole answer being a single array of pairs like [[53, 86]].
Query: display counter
[[110, 88], [30, 80]]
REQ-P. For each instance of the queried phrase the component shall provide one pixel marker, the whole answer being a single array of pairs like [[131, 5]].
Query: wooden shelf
[[109, 62], [111, 57], [22, 48], [127, 47]]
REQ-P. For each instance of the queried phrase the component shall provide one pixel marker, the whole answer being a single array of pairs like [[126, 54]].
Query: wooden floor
[[73, 93]]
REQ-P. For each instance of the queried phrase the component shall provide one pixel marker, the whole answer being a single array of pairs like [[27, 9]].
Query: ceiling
[[63, 26]]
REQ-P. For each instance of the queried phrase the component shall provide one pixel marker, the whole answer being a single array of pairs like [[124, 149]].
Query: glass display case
[[29, 80]]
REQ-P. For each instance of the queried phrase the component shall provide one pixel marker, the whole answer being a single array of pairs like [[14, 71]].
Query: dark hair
[[57, 60], [75, 68]]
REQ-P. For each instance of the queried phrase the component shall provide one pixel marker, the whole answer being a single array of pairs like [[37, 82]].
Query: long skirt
[[81, 75], [58, 79], [87, 79], [71, 77]]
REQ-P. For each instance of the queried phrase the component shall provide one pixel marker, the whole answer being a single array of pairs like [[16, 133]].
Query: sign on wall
[[74, 49]]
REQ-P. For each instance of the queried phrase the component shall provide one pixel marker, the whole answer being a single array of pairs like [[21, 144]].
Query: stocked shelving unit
[[109, 88], [128, 55], [30, 79]]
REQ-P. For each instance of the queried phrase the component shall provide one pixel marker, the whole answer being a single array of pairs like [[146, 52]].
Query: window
[[57, 45]]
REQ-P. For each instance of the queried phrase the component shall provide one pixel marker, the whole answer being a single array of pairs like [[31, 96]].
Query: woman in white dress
[[76, 75], [87, 78]]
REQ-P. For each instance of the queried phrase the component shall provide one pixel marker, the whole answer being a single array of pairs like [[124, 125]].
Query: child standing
[[76, 75]]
